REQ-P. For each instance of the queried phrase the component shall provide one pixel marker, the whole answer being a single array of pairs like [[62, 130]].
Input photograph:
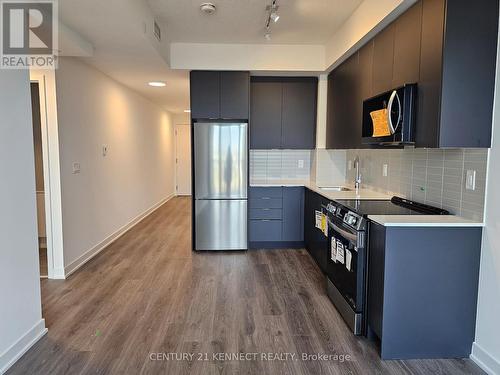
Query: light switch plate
[[300, 164], [470, 180], [385, 170], [76, 168], [104, 150]]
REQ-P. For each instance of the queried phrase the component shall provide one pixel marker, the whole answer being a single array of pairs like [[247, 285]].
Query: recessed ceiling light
[[157, 84], [187, 111], [275, 17]]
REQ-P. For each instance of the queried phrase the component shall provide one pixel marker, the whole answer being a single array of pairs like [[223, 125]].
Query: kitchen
[[391, 208], [258, 187]]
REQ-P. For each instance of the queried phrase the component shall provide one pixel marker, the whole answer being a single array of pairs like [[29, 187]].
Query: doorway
[[183, 159], [47, 173], [39, 179]]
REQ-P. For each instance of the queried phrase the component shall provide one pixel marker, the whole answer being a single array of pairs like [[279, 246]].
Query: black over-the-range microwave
[[389, 118]]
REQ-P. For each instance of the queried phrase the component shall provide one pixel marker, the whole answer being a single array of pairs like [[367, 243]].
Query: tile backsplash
[[269, 165], [329, 167], [432, 176]]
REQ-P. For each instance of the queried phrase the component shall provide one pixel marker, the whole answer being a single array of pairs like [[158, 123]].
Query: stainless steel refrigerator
[[220, 184]]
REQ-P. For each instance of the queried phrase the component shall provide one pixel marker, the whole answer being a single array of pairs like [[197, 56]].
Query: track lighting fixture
[[275, 17], [272, 15]]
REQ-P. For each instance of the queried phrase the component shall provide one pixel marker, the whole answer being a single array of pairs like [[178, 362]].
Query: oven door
[[347, 262]]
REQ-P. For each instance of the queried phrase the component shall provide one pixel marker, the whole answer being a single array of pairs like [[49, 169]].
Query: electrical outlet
[[349, 165], [300, 164], [76, 168], [385, 170], [104, 150], [470, 180]]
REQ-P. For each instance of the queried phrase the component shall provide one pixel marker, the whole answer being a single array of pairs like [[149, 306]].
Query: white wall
[[181, 119], [112, 191], [21, 320], [321, 111], [486, 348], [253, 57]]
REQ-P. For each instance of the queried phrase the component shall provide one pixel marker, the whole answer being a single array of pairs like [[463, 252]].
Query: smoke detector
[[208, 8]]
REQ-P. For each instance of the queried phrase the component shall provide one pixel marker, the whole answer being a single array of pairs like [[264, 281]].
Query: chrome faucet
[[357, 179]]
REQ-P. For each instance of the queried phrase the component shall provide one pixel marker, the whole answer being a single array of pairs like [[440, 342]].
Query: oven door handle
[[348, 235]]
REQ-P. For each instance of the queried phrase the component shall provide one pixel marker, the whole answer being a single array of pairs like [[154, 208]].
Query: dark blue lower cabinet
[[265, 230], [265, 214], [293, 214], [422, 290], [276, 217]]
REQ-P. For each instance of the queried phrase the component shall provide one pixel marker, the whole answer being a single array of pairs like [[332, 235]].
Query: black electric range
[[348, 250]]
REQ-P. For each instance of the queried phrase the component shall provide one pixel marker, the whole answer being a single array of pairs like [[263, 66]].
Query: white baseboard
[[89, 254], [21, 346], [58, 273], [484, 360]]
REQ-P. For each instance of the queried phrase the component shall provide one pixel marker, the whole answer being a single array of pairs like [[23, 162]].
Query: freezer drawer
[[221, 225]]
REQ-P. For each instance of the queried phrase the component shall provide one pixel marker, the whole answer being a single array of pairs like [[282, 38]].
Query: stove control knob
[[351, 220]]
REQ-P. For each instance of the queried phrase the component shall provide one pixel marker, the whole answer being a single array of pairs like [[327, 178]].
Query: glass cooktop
[[377, 207]]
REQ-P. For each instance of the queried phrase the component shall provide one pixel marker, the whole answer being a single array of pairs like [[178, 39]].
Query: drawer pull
[[266, 209], [266, 198]]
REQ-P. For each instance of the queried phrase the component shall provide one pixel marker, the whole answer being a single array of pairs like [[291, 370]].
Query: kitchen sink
[[335, 188]]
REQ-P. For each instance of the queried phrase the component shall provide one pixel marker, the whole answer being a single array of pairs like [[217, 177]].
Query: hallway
[[148, 295]]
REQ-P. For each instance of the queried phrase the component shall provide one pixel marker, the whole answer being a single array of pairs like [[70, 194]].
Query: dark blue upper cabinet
[[234, 95], [219, 95], [299, 114], [454, 65], [468, 73], [205, 94], [265, 115], [283, 112]]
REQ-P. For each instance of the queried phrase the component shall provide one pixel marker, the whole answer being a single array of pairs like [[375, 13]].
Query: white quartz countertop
[[424, 221], [385, 220], [351, 194], [329, 194]]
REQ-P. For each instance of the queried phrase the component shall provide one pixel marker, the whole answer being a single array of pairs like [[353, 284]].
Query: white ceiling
[[122, 50], [243, 21], [115, 28]]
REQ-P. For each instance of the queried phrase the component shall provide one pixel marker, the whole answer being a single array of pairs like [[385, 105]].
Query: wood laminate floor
[[42, 257], [147, 296]]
